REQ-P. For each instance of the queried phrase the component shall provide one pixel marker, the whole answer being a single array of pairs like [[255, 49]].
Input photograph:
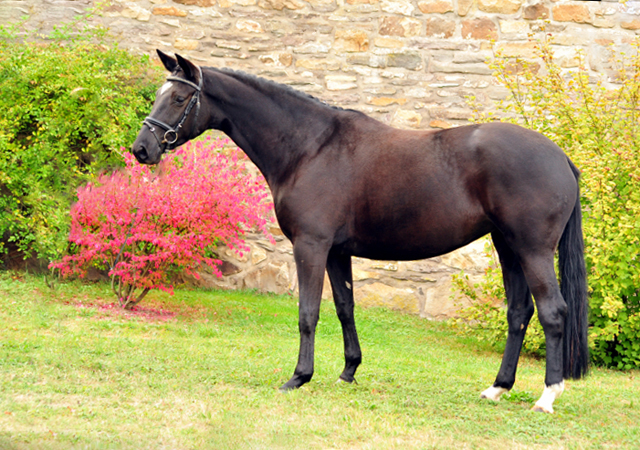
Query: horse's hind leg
[[339, 269], [519, 311], [552, 311]]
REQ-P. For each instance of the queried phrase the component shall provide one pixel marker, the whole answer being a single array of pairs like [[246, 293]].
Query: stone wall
[[415, 287], [409, 63]]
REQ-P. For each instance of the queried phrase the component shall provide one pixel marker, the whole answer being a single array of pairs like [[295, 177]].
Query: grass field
[[201, 370]]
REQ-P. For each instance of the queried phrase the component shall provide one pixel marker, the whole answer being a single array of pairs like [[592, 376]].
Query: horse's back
[[419, 194]]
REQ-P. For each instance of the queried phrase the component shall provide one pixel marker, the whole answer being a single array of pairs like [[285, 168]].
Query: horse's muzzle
[[145, 152], [140, 153]]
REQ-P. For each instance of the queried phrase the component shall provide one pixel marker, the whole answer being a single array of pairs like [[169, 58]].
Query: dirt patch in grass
[[137, 312], [152, 311]]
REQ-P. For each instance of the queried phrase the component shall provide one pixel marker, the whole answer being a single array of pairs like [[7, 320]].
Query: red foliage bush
[[146, 226]]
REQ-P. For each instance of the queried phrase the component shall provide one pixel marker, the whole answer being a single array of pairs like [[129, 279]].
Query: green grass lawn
[[201, 370]]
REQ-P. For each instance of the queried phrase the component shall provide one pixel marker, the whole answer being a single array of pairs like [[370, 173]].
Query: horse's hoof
[[493, 393], [540, 409], [288, 387], [295, 382], [342, 380], [545, 402]]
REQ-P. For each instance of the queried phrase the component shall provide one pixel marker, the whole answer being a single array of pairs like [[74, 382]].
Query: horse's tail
[[573, 286]]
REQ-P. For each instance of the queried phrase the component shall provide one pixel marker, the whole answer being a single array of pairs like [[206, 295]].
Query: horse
[[345, 184]]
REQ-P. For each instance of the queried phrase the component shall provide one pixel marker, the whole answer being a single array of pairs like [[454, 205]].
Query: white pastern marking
[[493, 393], [545, 403], [165, 87], [348, 285]]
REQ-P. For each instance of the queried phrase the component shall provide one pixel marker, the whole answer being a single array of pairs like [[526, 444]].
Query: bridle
[[171, 133]]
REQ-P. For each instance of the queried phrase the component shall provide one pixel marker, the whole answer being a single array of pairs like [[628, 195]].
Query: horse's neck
[[275, 131]]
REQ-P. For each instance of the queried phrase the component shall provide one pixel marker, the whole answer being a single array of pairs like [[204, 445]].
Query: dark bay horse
[[347, 185]]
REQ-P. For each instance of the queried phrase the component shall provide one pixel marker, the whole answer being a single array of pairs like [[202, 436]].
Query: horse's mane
[[269, 86]]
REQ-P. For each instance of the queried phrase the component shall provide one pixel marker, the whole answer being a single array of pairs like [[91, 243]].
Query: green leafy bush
[[68, 105], [597, 124]]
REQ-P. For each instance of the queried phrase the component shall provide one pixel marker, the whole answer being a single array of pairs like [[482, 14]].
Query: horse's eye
[[180, 99]]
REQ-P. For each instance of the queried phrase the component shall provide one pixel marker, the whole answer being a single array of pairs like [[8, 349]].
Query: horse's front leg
[[339, 269], [311, 260]]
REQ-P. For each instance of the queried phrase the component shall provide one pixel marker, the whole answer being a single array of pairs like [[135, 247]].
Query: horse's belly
[[407, 245]]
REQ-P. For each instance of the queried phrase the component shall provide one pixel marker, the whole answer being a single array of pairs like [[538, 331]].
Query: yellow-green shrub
[[597, 124], [68, 104]]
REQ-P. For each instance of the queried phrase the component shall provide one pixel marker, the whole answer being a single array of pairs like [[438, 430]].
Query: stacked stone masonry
[[408, 63]]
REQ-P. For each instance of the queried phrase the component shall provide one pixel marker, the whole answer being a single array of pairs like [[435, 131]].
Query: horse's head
[[174, 117]]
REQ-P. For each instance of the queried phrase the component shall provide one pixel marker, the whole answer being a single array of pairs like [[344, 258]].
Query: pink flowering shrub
[[147, 226]]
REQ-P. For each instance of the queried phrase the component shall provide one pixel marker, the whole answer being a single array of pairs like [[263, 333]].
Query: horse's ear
[[169, 63], [190, 69]]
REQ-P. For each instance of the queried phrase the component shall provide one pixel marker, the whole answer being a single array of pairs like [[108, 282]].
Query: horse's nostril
[[140, 152]]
